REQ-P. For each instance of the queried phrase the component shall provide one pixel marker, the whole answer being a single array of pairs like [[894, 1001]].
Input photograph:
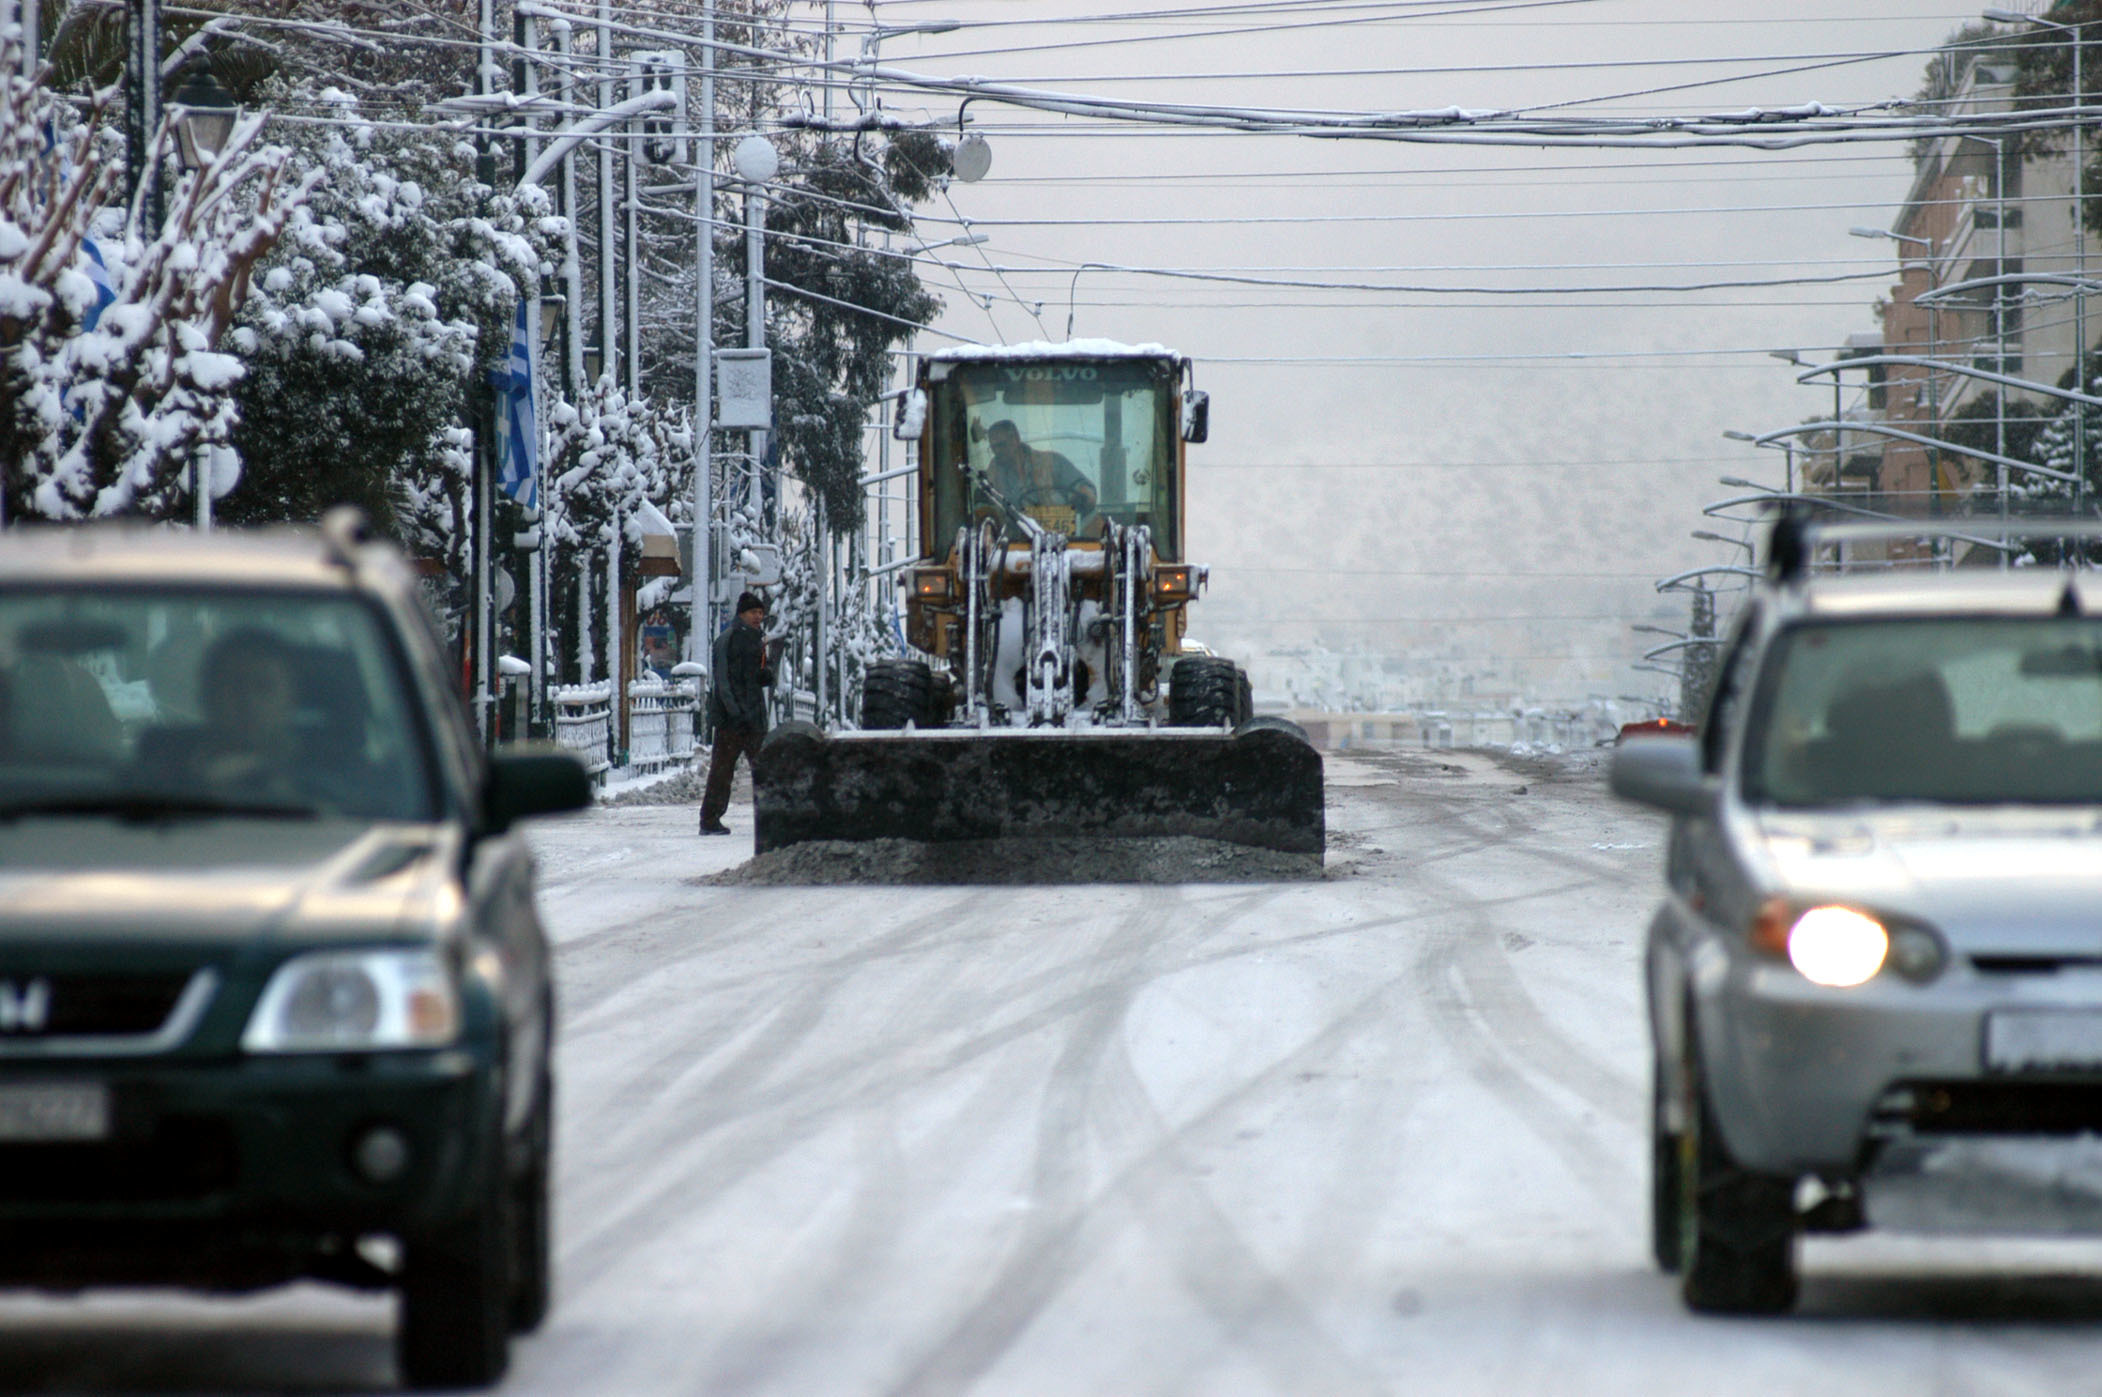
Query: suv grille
[[48, 1008], [1994, 1108]]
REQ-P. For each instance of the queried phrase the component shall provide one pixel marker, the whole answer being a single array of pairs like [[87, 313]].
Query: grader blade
[[1259, 785]]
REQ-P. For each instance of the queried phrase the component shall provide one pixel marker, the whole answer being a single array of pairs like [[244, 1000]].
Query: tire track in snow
[[722, 1136], [1152, 1179]]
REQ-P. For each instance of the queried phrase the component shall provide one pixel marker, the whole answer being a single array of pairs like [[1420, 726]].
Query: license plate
[[45, 1113], [2043, 1040]]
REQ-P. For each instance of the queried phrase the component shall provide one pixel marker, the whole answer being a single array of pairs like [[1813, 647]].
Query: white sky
[[1400, 503]]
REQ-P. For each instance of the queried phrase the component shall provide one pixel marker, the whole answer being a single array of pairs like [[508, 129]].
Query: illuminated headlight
[[339, 1001], [1837, 946], [1174, 583], [933, 584]]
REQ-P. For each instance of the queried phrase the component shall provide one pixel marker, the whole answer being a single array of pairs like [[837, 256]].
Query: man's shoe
[[715, 829]]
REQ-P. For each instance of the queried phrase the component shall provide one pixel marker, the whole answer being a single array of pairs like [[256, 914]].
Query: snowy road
[[1381, 1133]]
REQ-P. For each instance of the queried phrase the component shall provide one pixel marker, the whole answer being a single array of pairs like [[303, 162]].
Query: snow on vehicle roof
[[1041, 349]]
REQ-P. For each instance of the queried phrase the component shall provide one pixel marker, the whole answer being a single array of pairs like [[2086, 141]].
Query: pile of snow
[[1019, 861]]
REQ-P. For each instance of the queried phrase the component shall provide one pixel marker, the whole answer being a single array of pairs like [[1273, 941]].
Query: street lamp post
[[2072, 31], [1788, 468], [204, 115]]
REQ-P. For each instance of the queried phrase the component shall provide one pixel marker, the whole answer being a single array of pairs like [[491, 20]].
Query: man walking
[[739, 678]]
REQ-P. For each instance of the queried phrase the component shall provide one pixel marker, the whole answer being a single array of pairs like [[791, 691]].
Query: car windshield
[[154, 703], [1979, 710], [1071, 445]]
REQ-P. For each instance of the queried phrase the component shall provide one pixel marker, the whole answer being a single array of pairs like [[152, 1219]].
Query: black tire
[[1737, 1247], [1204, 691], [533, 1232], [1666, 1201], [1247, 696], [897, 692], [456, 1292]]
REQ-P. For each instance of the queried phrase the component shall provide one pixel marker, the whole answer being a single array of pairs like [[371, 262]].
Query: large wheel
[[1204, 691], [897, 692], [456, 1292], [1737, 1243], [533, 1232], [1666, 1203]]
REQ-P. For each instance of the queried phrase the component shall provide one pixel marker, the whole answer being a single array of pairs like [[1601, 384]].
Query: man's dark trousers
[[731, 742]]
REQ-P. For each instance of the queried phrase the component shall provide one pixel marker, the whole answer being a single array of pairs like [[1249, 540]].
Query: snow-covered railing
[[660, 723], [584, 724]]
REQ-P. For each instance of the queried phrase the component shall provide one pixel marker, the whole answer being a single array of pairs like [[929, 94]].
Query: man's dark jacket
[[737, 695]]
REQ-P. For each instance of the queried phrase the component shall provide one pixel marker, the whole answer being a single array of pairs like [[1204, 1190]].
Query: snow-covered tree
[[373, 327], [111, 376]]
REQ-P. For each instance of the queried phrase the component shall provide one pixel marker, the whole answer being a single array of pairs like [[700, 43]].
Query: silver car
[[1875, 983]]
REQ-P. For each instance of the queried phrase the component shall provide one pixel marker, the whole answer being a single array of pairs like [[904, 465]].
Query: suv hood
[[2024, 880], [210, 887]]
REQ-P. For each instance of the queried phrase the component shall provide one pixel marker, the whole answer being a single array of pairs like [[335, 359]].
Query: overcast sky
[[1460, 491]]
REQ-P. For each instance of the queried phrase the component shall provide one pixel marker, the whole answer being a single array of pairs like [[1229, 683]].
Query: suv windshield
[[1068, 444], [158, 703], [1960, 711]]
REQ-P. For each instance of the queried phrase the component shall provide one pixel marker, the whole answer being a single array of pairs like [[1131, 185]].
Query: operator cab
[[1074, 442]]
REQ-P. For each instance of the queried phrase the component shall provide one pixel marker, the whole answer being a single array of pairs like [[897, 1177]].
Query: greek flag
[[518, 445], [98, 272]]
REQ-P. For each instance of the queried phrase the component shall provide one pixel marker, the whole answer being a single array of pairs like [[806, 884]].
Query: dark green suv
[[274, 998]]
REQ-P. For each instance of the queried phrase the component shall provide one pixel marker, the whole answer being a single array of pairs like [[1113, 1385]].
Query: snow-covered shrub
[[112, 375]]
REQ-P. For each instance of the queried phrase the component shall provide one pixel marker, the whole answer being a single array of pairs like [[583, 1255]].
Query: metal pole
[[828, 64], [755, 324], [821, 555], [528, 83], [28, 12], [2080, 260], [707, 547], [142, 82], [485, 436], [572, 261], [2000, 329], [631, 281], [606, 97]]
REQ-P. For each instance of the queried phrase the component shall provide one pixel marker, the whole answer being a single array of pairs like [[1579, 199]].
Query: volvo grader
[[1049, 691]]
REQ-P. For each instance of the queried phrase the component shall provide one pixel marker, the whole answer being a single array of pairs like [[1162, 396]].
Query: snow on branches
[[110, 373]]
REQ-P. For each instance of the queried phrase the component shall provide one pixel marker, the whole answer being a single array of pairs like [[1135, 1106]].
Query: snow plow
[[1047, 692]]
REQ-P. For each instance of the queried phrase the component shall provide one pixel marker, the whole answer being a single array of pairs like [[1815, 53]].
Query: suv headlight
[[336, 1001], [1840, 947]]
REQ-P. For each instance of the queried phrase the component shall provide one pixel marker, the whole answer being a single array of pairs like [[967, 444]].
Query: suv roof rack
[[1799, 532]]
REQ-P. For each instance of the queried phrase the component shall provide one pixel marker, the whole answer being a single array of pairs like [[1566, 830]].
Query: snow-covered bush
[[373, 326], [111, 371]]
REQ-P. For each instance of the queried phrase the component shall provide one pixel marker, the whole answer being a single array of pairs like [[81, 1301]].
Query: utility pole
[[142, 107], [605, 194], [572, 269], [707, 545], [526, 81], [484, 456]]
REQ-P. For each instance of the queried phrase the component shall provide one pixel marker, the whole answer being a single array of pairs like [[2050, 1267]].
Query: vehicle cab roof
[[128, 553], [2031, 591], [1045, 350]]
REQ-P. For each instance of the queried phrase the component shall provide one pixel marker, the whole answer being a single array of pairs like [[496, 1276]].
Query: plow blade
[[1259, 785]]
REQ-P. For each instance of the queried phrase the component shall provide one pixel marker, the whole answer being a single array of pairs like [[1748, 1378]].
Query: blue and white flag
[[518, 444], [98, 272]]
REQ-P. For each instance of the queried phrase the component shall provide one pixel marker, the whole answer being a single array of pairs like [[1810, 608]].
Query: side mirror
[[1665, 773], [1196, 415], [537, 780], [912, 415]]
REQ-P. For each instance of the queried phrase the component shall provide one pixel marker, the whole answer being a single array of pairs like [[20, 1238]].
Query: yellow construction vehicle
[[1049, 695]]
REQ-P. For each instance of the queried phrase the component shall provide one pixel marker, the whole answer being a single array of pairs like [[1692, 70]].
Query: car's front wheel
[[1666, 1201], [533, 1233], [457, 1293], [1737, 1244]]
